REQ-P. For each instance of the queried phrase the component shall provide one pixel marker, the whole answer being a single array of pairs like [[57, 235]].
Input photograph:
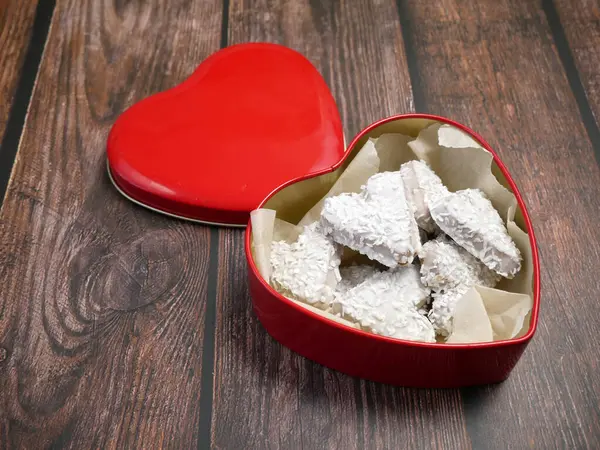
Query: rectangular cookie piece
[[378, 222], [469, 218]]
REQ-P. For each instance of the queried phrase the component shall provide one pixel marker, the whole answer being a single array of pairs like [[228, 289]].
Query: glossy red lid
[[251, 117]]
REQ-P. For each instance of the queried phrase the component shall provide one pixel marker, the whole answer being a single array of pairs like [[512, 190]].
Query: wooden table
[[121, 328]]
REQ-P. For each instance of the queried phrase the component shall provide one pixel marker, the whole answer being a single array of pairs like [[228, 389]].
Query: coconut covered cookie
[[308, 269], [445, 265], [469, 218], [422, 186], [443, 307], [386, 303], [450, 271], [352, 276], [378, 222]]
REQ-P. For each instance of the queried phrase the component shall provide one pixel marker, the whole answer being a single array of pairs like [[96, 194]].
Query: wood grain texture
[[16, 20], [493, 66], [581, 22], [265, 395], [102, 305]]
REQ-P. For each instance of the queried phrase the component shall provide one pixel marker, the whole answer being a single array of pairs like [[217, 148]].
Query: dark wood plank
[[16, 20], [581, 22], [265, 395], [493, 66], [102, 306]]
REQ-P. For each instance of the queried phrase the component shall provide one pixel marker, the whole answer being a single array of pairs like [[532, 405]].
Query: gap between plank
[[210, 313], [419, 104], [225, 25], [20, 105], [208, 344], [566, 57]]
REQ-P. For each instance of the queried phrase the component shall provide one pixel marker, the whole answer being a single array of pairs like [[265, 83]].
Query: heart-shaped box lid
[[250, 118]]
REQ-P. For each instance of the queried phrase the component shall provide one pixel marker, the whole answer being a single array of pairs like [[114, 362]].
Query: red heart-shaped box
[[366, 355], [255, 125]]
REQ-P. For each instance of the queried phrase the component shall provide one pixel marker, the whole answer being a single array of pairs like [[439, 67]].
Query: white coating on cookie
[[386, 304], [308, 269], [445, 265], [450, 271], [352, 276], [422, 185], [442, 310], [469, 218], [378, 222]]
